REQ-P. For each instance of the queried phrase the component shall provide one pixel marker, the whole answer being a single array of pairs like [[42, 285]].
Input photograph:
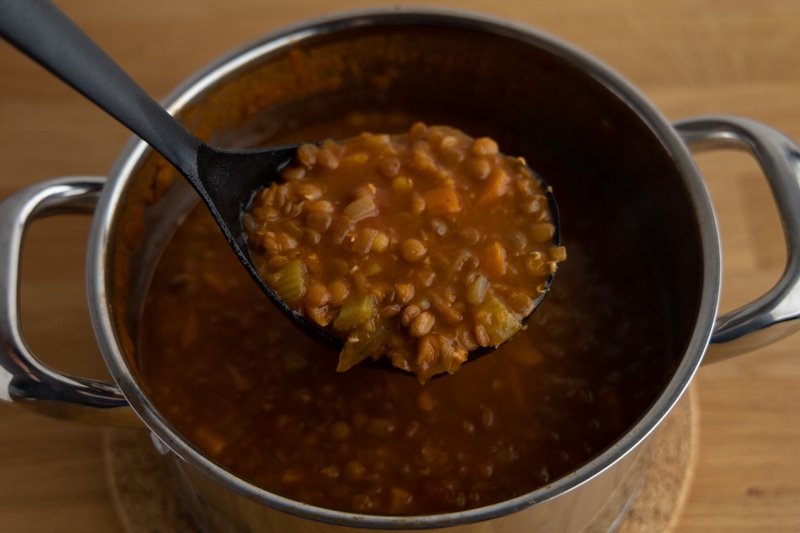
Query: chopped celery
[[364, 240], [354, 313], [290, 282], [366, 344], [476, 291], [361, 208], [497, 318]]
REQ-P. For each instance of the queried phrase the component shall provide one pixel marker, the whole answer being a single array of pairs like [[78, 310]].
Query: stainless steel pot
[[543, 99]]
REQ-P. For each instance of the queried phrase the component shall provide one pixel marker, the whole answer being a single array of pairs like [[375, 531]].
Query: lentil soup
[[417, 248], [230, 373]]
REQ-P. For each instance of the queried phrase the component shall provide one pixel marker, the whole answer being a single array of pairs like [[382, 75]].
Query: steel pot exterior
[[137, 213], [226, 503]]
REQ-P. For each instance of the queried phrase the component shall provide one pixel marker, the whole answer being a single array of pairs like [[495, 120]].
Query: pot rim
[[184, 94]]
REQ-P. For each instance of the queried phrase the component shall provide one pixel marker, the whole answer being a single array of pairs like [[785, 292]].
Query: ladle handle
[[775, 314], [45, 34], [24, 379]]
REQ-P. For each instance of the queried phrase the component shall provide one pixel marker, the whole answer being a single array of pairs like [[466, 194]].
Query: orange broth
[[233, 376]]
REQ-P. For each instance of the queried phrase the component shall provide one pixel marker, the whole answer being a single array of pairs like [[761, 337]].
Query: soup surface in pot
[[233, 376]]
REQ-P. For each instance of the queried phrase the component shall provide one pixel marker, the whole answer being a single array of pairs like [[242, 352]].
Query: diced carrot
[[494, 260], [210, 440], [292, 476], [216, 282], [442, 201], [399, 498], [191, 329], [320, 315], [497, 185], [529, 357], [558, 253]]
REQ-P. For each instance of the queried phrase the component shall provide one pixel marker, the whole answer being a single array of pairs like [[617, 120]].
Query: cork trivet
[[658, 503], [141, 488], [145, 500]]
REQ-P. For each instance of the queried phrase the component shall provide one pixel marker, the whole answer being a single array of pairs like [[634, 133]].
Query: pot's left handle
[[24, 379]]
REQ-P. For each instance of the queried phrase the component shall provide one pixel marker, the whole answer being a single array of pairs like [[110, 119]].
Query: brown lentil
[[426, 213], [422, 324], [413, 250]]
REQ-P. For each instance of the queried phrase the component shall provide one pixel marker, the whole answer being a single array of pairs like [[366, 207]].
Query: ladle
[[224, 179]]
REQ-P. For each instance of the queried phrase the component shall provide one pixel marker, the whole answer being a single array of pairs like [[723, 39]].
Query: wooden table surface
[[689, 57]]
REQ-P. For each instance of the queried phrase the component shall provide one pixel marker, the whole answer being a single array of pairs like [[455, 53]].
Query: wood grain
[[690, 57]]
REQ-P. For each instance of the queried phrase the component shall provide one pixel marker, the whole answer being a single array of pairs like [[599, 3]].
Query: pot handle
[[24, 379], [773, 315]]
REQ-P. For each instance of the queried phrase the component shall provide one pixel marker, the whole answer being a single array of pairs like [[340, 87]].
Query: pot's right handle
[[773, 315], [24, 379]]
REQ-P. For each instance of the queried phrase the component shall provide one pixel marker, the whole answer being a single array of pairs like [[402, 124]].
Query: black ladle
[[225, 179]]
